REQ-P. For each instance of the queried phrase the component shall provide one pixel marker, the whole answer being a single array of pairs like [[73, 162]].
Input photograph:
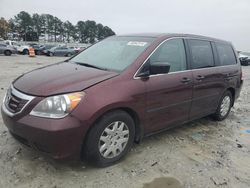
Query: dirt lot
[[202, 153]]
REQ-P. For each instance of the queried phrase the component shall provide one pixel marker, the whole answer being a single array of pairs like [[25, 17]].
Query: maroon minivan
[[96, 104]]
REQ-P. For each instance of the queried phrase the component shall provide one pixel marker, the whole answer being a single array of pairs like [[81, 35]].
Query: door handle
[[185, 80], [199, 77]]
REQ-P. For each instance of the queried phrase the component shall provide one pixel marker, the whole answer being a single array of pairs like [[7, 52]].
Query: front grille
[[15, 101], [14, 104]]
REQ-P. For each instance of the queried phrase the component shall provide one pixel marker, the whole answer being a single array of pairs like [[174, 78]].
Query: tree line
[[47, 27]]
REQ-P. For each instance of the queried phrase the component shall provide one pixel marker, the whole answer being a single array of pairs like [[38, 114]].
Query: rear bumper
[[60, 138], [237, 92]]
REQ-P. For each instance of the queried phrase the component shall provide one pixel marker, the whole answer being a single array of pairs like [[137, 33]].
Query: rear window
[[226, 54], [201, 54]]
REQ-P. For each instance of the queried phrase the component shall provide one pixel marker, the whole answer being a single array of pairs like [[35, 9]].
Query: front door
[[169, 95]]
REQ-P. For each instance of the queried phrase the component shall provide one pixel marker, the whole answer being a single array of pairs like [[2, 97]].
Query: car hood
[[60, 78]]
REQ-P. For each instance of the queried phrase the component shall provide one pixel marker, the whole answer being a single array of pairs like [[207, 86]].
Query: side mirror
[[144, 75], [159, 68]]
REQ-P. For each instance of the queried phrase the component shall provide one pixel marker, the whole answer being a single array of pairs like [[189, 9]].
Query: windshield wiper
[[89, 65]]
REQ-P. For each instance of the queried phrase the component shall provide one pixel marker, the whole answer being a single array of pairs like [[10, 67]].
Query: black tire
[[245, 63], [25, 52], [7, 53], [51, 54], [218, 115], [91, 146], [69, 54]]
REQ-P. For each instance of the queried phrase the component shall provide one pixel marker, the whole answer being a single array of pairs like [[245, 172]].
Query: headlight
[[57, 106]]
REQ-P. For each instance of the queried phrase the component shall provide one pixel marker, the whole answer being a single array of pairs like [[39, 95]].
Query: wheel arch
[[7, 51], [138, 127], [232, 90]]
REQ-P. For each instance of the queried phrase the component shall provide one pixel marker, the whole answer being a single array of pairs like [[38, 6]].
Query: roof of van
[[168, 35]]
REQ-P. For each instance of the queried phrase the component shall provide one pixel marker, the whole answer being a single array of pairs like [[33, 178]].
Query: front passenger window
[[171, 52]]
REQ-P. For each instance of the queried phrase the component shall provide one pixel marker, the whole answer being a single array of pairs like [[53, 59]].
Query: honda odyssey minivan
[[96, 104]]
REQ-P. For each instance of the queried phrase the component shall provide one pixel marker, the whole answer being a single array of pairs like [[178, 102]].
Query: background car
[[42, 49], [76, 49], [244, 58], [61, 51], [37, 49], [32, 44], [7, 50], [23, 49]]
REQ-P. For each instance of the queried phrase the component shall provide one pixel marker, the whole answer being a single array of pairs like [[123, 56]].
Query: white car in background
[[23, 49], [244, 58]]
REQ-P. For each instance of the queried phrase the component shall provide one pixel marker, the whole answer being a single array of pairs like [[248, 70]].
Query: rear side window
[[172, 52], [201, 54], [226, 54]]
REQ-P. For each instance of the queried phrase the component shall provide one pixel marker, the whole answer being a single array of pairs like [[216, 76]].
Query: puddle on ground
[[245, 132], [245, 136], [163, 182]]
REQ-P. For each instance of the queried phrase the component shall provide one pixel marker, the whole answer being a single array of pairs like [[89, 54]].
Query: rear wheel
[[51, 54], [110, 139], [7, 53], [25, 52], [224, 106]]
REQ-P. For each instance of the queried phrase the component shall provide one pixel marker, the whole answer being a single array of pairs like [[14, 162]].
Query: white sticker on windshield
[[136, 43]]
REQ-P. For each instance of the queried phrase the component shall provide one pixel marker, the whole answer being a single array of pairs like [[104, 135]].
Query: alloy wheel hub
[[113, 139], [225, 105]]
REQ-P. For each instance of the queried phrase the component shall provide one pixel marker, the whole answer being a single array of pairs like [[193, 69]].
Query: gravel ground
[[203, 153]]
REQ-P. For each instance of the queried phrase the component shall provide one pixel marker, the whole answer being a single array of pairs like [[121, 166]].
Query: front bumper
[[60, 138]]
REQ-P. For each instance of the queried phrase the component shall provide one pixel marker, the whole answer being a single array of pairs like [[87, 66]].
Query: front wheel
[[224, 107], [110, 139]]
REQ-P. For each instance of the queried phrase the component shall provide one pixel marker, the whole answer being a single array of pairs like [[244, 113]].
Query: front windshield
[[114, 53]]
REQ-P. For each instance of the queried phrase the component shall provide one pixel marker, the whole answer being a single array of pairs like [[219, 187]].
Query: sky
[[223, 19]]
